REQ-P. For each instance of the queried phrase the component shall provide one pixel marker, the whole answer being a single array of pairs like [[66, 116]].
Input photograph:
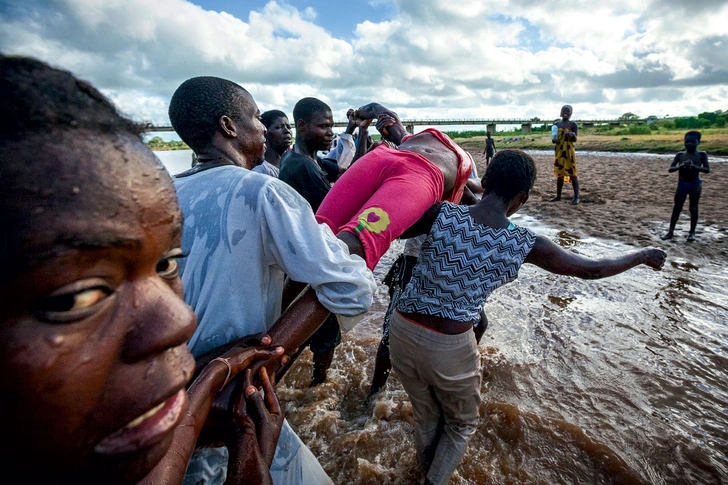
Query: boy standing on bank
[[690, 164]]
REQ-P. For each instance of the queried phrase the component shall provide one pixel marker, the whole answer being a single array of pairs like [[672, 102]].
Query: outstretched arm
[[553, 258]]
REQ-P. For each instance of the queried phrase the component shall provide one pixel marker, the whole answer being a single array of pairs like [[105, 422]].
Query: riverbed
[[612, 381]]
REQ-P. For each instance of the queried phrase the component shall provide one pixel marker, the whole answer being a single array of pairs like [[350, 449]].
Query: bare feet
[[667, 236], [555, 199], [691, 237], [575, 200]]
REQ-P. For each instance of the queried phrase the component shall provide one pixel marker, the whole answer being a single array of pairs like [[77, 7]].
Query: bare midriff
[[439, 324]]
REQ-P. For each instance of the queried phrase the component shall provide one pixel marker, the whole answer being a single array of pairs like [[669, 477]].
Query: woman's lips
[[147, 429]]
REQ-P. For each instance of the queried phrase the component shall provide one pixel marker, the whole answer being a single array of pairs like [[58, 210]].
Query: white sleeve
[[345, 150], [310, 252]]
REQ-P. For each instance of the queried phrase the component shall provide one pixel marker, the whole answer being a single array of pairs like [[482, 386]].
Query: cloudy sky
[[423, 58]]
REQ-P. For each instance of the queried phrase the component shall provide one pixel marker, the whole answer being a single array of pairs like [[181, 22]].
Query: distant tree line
[[158, 143]]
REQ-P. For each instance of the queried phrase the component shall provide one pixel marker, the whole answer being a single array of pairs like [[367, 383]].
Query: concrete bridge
[[489, 123]]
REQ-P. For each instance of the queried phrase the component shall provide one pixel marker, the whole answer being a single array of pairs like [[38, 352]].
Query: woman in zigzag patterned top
[[469, 252]]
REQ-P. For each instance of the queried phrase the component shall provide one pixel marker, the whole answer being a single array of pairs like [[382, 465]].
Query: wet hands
[[654, 258], [255, 428]]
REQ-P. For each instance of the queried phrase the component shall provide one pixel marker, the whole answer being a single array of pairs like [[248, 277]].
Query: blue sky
[[422, 58]]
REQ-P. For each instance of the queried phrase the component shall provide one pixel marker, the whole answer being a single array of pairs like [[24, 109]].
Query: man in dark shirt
[[300, 167], [310, 177]]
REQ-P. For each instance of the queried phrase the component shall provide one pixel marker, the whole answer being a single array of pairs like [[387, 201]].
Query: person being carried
[[565, 155], [489, 149], [390, 188], [93, 352], [689, 164], [468, 253], [243, 232], [278, 137]]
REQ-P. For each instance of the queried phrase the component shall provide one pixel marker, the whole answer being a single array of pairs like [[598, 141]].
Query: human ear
[[228, 127]]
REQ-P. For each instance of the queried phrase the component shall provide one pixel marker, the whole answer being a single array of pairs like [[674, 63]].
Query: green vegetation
[[657, 136], [157, 143]]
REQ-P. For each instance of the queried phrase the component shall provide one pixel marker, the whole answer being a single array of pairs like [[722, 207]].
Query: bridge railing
[[469, 121]]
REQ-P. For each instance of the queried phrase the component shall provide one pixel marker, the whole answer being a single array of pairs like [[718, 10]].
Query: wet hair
[[693, 134], [269, 117], [37, 98], [509, 173], [198, 104], [306, 108]]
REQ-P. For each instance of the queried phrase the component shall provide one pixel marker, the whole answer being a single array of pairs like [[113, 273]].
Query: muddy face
[[93, 356]]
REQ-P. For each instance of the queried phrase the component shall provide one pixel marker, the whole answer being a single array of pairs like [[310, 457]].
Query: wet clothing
[[385, 192], [267, 168], [307, 177], [441, 375], [243, 232], [311, 181], [565, 155], [461, 262]]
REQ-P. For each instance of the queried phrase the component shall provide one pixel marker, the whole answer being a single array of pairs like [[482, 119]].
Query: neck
[[491, 211], [303, 149], [272, 156], [218, 155]]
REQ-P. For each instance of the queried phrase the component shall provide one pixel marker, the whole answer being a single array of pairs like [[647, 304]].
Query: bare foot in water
[[575, 200], [555, 199], [691, 237], [667, 236]]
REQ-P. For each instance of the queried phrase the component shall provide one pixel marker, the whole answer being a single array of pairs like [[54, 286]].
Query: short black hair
[[693, 134], [37, 98], [270, 116], [307, 107], [198, 104], [509, 173]]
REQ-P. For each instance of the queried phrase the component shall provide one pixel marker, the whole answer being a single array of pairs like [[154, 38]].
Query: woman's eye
[[167, 266]]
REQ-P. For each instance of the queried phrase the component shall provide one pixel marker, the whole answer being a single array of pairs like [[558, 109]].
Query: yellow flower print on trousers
[[373, 220]]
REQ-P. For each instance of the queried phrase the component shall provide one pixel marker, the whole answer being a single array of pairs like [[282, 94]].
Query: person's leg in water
[[559, 188], [575, 184], [397, 278], [323, 344], [694, 200], [680, 196]]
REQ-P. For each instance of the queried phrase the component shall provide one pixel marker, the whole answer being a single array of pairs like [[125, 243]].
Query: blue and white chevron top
[[461, 263]]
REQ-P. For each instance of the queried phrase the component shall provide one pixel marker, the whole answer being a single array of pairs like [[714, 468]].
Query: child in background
[[565, 154], [690, 164], [468, 253]]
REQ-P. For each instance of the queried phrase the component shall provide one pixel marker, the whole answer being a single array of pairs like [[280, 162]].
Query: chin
[[257, 161]]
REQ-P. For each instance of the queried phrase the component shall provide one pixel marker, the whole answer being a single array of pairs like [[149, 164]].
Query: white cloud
[[431, 60]]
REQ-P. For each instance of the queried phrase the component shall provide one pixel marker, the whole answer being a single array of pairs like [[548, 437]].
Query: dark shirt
[[305, 176]]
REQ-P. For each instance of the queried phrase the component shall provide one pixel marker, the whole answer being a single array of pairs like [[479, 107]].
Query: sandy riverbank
[[629, 197]]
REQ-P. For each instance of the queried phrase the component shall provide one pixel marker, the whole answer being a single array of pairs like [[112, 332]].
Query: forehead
[[86, 191], [323, 116]]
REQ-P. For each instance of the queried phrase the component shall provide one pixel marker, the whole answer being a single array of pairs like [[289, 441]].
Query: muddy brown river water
[[614, 381]]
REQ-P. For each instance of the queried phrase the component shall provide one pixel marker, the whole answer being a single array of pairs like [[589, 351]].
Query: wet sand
[[629, 197], [609, 381]]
